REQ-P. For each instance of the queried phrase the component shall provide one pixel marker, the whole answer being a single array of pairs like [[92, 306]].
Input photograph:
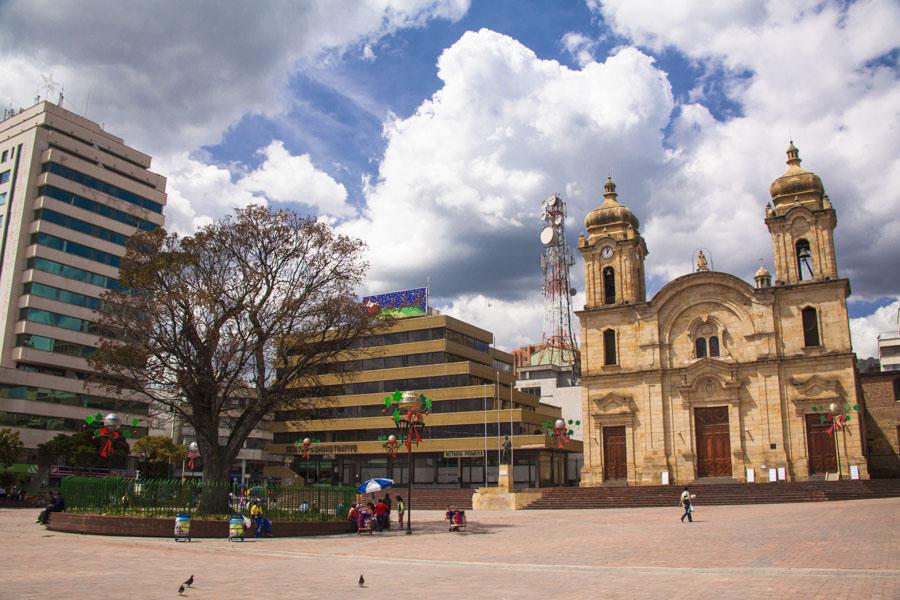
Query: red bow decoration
[[307, 447], [561, 436], [413, 417], [391, 448], [108, 437], [193, 455], [837, 423]]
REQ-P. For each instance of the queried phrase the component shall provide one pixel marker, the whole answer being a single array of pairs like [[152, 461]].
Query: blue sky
[[433, 129]]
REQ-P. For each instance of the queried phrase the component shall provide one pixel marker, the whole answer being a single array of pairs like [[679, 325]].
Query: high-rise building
[[71, 194], [474, 407]]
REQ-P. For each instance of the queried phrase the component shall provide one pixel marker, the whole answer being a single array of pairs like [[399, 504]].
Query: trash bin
[[183, 528], [236, 529]]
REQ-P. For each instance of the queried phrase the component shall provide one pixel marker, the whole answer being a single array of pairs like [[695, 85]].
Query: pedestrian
[[387, 517], [685, 503], [381, 510], [353, 517], [401, 508], [58, 505]]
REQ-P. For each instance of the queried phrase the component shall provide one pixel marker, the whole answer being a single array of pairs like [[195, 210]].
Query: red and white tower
[[558, 344]]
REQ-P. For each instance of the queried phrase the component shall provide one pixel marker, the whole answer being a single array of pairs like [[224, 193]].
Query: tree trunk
[[214, 491]]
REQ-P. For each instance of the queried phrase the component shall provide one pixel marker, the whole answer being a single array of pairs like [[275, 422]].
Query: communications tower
[[558, 345]]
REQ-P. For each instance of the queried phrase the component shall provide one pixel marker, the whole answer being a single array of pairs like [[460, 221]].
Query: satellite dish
[[557, 219], [552, 200], [548, 236]]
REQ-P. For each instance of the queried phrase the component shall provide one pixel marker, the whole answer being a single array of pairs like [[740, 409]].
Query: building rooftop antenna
[[50, 86]]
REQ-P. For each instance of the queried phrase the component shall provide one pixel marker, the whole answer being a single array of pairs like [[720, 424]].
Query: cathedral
[[713, 378]]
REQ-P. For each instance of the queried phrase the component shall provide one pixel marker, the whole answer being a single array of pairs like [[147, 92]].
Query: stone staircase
[[716, 493]]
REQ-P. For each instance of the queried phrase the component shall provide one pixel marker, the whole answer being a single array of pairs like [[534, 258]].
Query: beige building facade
[[70, 196], [714, 378]]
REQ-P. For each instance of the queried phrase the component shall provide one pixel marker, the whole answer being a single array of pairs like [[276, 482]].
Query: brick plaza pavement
[[822, 550]]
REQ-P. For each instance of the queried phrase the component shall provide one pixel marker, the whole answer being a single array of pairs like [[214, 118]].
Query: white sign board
[[664, 476], [751, 476], [773, 475], [781, 474], [854, 472]]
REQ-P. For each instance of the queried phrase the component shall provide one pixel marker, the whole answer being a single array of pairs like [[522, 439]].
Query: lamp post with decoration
[[409, 417]]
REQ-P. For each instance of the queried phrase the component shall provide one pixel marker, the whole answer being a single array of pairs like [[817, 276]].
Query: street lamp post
[[410, 421], [837, 447]]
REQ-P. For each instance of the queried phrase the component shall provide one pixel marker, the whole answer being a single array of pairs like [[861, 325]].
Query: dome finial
[[609, 188], [793, 154]]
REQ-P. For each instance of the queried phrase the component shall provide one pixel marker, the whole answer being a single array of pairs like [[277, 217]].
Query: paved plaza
[[823, 550]]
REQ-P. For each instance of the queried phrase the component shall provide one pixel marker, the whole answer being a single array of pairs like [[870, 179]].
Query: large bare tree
[[242, 310]]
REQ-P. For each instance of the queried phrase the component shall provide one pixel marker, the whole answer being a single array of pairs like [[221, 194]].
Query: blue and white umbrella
[[370, 486]]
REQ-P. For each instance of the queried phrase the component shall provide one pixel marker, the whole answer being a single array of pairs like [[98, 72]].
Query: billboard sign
[[406, 303]]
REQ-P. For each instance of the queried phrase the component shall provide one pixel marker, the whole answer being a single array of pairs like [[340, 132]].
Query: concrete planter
[[140, 527]]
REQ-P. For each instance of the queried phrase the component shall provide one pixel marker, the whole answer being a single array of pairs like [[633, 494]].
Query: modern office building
[[474, 406], [889, 348], [71, 194]]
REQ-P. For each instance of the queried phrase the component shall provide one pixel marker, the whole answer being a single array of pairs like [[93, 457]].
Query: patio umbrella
[[370, 486]]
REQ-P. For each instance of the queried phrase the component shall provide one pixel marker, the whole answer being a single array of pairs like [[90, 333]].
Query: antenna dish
[[553, 200], [557, 219], [548, 236]]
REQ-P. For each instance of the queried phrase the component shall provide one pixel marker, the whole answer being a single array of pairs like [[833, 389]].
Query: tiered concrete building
[[475, 406], [70, 196], [714, 377]]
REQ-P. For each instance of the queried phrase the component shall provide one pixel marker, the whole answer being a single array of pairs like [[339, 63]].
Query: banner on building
[[463, 453], [405, 303]]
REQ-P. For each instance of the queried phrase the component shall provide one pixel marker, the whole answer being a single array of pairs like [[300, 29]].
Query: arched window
[[810, 327], [609, 347], [700, 346], [609, 285], [804, 260], [714, 346]]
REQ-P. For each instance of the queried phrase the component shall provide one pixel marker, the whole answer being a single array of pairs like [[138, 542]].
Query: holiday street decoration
[[306, 446], [836, 415], [409, 413], [106, 430], [391, 443], [193, 454], [561, 431]]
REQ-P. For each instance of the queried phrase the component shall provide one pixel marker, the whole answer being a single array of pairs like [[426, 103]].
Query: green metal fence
[[169, 497]]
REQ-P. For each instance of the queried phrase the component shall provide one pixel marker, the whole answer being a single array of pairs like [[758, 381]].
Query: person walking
[[685, 502], [401, 508]]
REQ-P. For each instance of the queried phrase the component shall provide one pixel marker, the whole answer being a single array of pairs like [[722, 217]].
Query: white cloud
[[201, 192], [580, 46], [286, 178], [170, 77], [808, 70], [461, 181], [864, 330], [513, 323]]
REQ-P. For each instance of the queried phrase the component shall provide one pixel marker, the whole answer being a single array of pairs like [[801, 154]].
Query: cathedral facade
[[714, 377]]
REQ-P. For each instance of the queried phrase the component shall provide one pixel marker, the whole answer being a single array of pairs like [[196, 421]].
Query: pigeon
[[362, 581], [181, 589], [189, 581]]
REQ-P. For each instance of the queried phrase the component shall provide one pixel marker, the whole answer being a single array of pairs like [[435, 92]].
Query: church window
[[609, 347], [700, 346], [714, 346], [609, 286], [804, 260], [810, 326]]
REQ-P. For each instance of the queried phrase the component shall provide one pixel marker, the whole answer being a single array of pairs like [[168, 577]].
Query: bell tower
[[801, 221], [614, 253]]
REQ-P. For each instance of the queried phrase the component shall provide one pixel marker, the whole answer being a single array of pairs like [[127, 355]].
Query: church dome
[[610, 214], [762, 272], [796, 182]]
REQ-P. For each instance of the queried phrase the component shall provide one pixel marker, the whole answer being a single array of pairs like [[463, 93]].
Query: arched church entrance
[[713, 442]]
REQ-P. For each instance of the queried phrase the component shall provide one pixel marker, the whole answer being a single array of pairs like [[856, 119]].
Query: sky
[[434, 129]]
